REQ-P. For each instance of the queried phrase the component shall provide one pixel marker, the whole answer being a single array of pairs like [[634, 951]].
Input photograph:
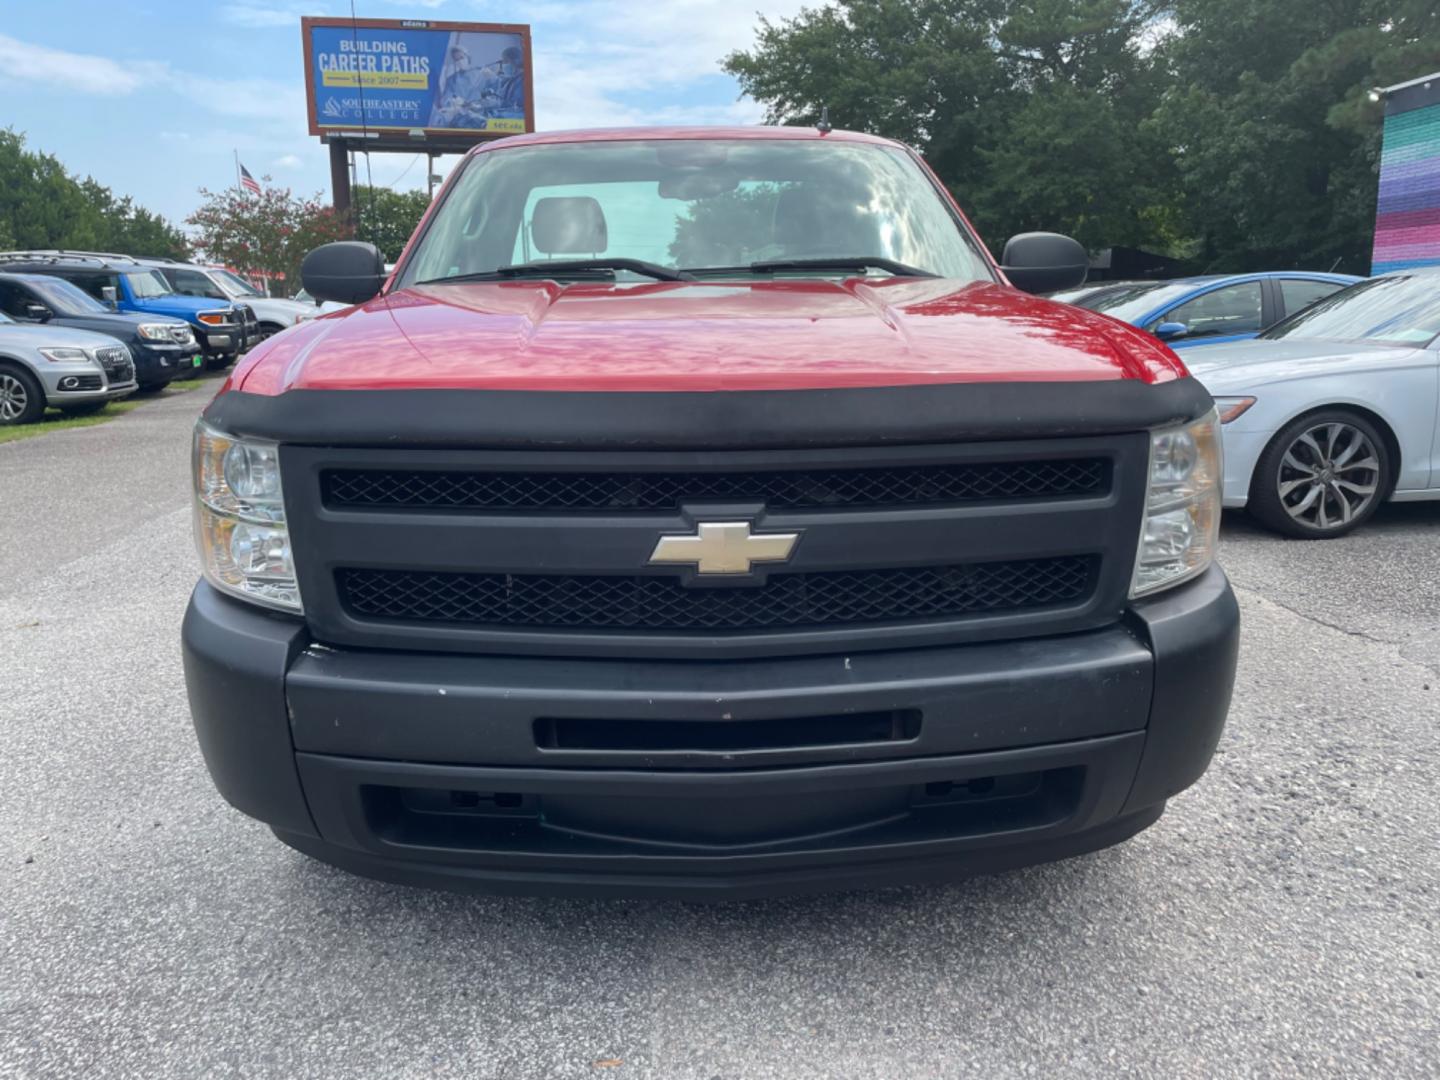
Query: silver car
[[76, 371], [1334, 410]]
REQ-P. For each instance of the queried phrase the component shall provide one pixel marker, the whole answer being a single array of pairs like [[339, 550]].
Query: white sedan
[[1335, 410]]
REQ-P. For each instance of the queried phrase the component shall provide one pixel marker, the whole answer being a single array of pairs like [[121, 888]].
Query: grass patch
[[55, 420]]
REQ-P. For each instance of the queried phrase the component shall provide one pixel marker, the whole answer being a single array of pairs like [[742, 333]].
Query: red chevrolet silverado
[[704, 513]]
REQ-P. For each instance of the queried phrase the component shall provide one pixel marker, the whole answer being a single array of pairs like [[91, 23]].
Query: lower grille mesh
[[645, 603]]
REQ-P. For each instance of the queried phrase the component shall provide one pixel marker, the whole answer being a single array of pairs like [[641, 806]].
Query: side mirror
[[1042, 262], [38, 312], [1169, 331], [348, 271], [111, 296]]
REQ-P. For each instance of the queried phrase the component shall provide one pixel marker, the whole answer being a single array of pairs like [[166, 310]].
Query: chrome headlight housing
[[151, 331], [67, 355], [240, 528], [1181, 529]]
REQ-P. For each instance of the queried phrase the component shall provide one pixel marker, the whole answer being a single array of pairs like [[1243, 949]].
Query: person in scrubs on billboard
[[470, 93]]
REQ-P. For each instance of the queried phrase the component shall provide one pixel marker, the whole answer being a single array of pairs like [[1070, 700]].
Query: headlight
[[240, 519], [214, 318], [1182, 506], [66, 356], [156, 331]]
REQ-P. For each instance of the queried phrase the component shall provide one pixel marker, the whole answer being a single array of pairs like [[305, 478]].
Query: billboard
[[458, 83]]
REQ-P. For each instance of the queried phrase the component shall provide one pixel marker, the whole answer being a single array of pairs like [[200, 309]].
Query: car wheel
[[219, 363], [21, 399], [269, 329], [88, 408], [1323, 476]]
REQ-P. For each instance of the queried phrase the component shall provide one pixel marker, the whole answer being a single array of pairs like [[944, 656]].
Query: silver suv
[[76, 371]]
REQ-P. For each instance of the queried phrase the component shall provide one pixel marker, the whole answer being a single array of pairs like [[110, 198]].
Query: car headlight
[[156, 331], [1182, 506], [66, 356], [214, 318], [240, 519]]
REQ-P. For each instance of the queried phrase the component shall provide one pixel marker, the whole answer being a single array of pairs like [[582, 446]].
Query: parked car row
[[71, 318], [1328, 413], [1208, 310]]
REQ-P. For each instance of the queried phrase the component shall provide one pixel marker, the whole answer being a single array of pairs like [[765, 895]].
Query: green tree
[[1030, 110], [43, 206], [1268, 120], [387, 218], [265, 235]]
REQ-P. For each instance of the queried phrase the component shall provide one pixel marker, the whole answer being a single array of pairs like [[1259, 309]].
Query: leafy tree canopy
[[265, 235], [43, 206], [1235, 132], [387, 218]]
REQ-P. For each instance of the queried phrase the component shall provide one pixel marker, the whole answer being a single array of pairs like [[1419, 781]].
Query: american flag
[[248, 182]]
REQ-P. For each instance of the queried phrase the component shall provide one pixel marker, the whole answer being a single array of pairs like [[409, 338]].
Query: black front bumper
[[158, 367], [710, 779]]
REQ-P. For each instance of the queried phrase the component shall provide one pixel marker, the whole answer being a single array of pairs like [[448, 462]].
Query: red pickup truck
[[704, 513]]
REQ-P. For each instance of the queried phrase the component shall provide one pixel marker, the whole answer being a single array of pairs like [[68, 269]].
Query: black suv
[[162, 347]]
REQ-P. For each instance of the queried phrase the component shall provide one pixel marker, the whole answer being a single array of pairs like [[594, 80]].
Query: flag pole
[[239, 187]]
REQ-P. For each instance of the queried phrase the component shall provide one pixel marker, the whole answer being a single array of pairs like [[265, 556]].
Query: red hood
[[537, 335]]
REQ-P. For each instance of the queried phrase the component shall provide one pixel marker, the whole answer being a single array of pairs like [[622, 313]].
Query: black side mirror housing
[[348, 271], [1042, 262], [38, 312]]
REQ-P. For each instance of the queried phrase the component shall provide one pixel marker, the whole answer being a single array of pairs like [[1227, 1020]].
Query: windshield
[[147, 284], [234, 284], [1134, 301], [65, 297], [694, 205], [1390, 310]]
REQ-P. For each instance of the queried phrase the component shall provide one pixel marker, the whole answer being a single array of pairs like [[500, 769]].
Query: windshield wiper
[[568, 267], [829, 262]]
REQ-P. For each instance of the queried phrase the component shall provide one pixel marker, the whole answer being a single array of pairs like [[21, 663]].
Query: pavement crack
[[1324, 622]]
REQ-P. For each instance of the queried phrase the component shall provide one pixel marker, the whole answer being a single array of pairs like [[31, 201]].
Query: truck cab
[[223, 330], [705, 513]]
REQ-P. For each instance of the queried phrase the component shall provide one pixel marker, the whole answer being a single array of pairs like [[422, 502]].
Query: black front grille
[[659, 491], [645, 603], [117, 364]]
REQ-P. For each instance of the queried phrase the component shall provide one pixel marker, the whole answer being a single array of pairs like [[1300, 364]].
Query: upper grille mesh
[[645, 603], [661, 491]]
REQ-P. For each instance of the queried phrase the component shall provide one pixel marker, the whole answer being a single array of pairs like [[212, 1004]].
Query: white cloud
[[609, 51], [253, 16], [288, 161], [38, 65], [281, 104]]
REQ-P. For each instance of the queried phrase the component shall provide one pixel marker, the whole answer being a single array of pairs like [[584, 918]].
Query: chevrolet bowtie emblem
[[724, 547]]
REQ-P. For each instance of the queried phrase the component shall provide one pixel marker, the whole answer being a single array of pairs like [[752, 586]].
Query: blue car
[[1183, 312], [222, 329]]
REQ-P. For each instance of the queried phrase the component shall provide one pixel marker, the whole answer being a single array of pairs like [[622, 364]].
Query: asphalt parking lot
[[1283, 918]]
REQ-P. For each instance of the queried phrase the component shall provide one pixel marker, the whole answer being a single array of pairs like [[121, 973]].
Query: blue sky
[[152, 96]]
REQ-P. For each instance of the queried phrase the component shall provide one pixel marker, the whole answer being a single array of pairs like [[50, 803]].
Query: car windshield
[[1135, 301], [65, 297], [715, 205], [234, 284], [147, 284], [1398, 310]]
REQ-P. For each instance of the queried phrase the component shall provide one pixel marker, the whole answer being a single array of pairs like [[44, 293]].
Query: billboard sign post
[[414, 85]]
